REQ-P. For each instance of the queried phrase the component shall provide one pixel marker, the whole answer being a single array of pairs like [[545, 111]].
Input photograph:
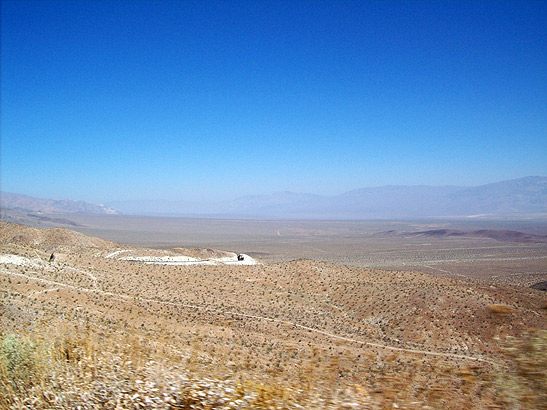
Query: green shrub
[[20, 362]]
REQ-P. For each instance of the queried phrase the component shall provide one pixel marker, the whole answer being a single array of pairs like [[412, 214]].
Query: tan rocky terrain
[[296, 334]]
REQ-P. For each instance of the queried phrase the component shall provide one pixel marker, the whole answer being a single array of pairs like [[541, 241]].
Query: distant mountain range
[[27, 203], [506, 198], [524, 195]]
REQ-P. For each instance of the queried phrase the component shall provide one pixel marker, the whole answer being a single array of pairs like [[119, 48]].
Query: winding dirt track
[[247, 316]]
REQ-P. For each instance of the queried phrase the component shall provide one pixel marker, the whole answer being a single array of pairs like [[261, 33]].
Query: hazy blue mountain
[[527, 194], [52, 206], [395, 201], [520, 196], [524, 195]]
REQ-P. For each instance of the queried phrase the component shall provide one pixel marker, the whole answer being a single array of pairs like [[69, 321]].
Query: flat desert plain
[[138, 312], [429, 245]]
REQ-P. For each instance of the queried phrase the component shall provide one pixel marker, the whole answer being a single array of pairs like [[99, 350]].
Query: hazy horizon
[[262, 193], [212, 101], [513, 198]]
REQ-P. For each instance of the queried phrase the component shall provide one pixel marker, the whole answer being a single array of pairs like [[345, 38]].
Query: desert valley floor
[[315, 315]]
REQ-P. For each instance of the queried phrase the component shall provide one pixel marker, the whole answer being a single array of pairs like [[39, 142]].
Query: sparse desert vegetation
[[97, 330], [389, 245]]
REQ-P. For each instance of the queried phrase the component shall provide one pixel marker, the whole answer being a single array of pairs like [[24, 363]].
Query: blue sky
[[119, 100]]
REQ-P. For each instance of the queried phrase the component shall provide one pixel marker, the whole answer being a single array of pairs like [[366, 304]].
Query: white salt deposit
[[160, 259], [247, 260], [186, 260], [111, 255], [20, 261]]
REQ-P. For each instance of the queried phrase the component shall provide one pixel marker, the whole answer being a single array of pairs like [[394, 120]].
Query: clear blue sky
[[118, 100]]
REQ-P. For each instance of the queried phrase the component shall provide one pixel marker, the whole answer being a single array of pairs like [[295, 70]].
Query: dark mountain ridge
[[500, 235]]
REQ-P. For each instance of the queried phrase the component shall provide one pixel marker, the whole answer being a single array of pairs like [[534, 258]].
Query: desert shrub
[[20, 362], [502, 310]]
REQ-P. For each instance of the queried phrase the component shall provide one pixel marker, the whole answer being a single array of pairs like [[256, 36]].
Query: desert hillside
[[45, 239], [202, 328]]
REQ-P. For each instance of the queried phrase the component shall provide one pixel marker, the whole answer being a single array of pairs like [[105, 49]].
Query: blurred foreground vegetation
[[70, 367]]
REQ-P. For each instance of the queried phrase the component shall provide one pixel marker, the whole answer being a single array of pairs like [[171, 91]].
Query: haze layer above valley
[[514, 198]]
